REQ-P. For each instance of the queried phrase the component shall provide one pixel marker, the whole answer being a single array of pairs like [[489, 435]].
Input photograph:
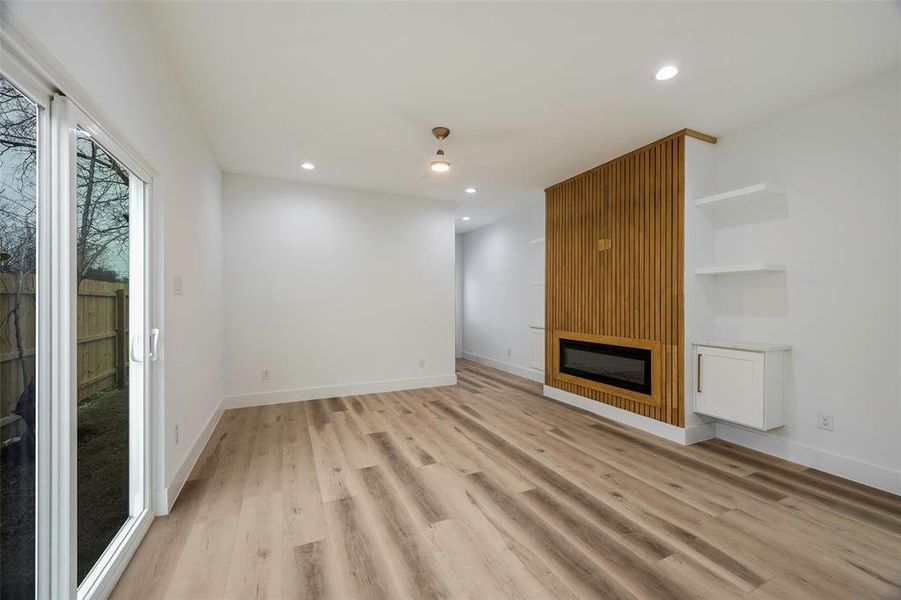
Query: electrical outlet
[[824, 421], [176, 434], [509, 352], [178, 287], [422, 363], [264, 375]]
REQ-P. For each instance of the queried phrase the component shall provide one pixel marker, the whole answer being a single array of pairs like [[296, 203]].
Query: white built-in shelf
[[758, 192], [537, 241], [740, 345], [763, 267]]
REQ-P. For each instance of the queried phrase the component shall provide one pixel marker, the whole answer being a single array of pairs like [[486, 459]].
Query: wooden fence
[[102, 337]]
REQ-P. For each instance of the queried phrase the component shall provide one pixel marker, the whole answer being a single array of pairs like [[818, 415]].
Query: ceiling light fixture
[[666, 72], [464, 218], [470, 190], [439, 162], [308, 166]]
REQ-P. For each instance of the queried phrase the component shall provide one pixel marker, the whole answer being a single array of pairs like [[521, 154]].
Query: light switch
[[177, 286]]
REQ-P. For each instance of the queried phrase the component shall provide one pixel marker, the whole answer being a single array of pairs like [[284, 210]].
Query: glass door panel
[[102, 276], [18, 340], [112, 354]]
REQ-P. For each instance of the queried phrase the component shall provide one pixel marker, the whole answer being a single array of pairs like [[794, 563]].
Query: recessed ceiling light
[[667, 72], [470, 190], [308, 166], [464, 219]]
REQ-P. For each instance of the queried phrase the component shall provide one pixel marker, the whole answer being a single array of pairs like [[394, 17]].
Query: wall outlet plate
[[824, 421], [265, 375]]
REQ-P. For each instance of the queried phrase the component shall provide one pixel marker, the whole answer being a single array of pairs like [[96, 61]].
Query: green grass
[[102, 473], [16, 528]]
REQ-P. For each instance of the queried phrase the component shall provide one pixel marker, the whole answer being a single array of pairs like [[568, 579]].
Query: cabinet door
[[730, 385]]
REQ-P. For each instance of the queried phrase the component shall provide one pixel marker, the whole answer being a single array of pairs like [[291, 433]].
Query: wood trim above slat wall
[[632, 289]]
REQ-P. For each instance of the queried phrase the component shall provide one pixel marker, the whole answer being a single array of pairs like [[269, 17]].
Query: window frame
[[16, 71]]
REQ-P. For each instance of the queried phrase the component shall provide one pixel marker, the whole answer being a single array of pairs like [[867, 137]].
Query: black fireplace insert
[[620, 366]]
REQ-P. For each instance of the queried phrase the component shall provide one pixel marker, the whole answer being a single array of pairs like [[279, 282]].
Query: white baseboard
[[330, 391], [699, 433], [165, 498], [679, 435], [877, 476], [526, 372]]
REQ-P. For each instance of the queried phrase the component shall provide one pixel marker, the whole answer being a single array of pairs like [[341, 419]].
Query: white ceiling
[[533, 92]]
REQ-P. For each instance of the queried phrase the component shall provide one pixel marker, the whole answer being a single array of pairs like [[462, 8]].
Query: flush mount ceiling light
[[440, 162], [464, 218], [470, 190], [308, 166], [666, 72]]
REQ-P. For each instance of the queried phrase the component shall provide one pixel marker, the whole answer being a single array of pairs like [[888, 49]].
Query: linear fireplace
[[619, 366]]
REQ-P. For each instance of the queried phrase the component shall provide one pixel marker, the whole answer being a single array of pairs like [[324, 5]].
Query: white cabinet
[[536, 341], [741, 383]]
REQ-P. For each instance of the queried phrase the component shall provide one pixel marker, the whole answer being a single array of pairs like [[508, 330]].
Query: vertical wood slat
[[634, 289]]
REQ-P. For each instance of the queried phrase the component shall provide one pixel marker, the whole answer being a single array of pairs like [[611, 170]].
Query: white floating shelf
[[760, 191], [735, 269], [537, 283], [537, 241]]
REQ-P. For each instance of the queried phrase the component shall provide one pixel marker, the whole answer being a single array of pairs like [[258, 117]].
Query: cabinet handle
[[699, 372]]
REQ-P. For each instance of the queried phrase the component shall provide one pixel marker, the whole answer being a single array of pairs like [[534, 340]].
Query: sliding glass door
[[75, 350], [111, 347]]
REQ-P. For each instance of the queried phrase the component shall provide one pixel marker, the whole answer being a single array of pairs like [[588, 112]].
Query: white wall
[[458, 295], [700, 238], [111, 63], [838, 302], [501, 298], [336, 289]]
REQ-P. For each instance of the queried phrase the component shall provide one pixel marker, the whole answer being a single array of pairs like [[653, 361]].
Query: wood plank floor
[[489, 490]]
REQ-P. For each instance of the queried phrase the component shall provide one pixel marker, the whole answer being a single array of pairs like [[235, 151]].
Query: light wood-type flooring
[[489, 490]]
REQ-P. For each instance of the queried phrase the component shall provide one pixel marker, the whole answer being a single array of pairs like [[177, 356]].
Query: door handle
[[154, 340], [700, 356], [137, 350]]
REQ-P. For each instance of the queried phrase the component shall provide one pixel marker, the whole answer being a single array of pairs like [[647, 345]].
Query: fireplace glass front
[[620, 366]]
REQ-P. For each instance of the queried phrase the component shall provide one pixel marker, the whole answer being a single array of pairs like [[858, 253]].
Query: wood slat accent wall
[[633, 289]]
